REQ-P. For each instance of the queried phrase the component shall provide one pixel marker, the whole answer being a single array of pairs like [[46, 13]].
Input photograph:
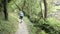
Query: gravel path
[[22, 29]]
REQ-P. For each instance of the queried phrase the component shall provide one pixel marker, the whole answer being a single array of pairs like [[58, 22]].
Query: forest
[[40, 17]]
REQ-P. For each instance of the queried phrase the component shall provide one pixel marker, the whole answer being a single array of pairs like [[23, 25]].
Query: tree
[[40, 2], [5, 9], [45, 11], [3, 4]]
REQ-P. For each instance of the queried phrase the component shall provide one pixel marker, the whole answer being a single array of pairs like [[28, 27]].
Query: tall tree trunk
[[41, 9], [5, 10], [45, 6]]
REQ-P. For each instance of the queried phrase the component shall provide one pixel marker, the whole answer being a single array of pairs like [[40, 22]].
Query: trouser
[[21, 17]]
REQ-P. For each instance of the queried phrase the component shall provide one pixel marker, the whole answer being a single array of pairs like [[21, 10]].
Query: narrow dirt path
[[22, 29]]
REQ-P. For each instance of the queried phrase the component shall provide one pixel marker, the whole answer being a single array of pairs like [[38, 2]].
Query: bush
[[9, 26], [50, 26]]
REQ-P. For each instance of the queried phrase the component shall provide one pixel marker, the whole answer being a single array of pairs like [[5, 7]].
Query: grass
[[10, 26]]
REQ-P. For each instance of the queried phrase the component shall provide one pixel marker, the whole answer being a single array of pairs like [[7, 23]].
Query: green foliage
[[42, 32], [9, 26], [31, 7], [32, 11], [50, 26]]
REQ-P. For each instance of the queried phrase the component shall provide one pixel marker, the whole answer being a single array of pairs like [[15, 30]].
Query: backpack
[[21, 13]]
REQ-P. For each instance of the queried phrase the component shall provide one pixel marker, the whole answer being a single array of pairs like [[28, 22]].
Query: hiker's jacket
[[21, 13]]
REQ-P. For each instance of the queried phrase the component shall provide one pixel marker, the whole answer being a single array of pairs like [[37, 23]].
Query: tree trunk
[[41, 10], [45, 6], [5, 10]]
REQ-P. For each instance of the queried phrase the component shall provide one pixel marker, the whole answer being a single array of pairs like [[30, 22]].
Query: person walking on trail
[[21, 16]]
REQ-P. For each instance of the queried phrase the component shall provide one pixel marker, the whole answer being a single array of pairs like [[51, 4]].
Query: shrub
[[50, 26], [9, 26]]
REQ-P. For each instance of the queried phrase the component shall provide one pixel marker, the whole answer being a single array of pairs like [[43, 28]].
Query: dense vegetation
[[37, 16], [8, 23]]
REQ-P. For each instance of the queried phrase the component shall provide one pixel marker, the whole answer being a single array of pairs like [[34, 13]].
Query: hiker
[[21, 15]]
